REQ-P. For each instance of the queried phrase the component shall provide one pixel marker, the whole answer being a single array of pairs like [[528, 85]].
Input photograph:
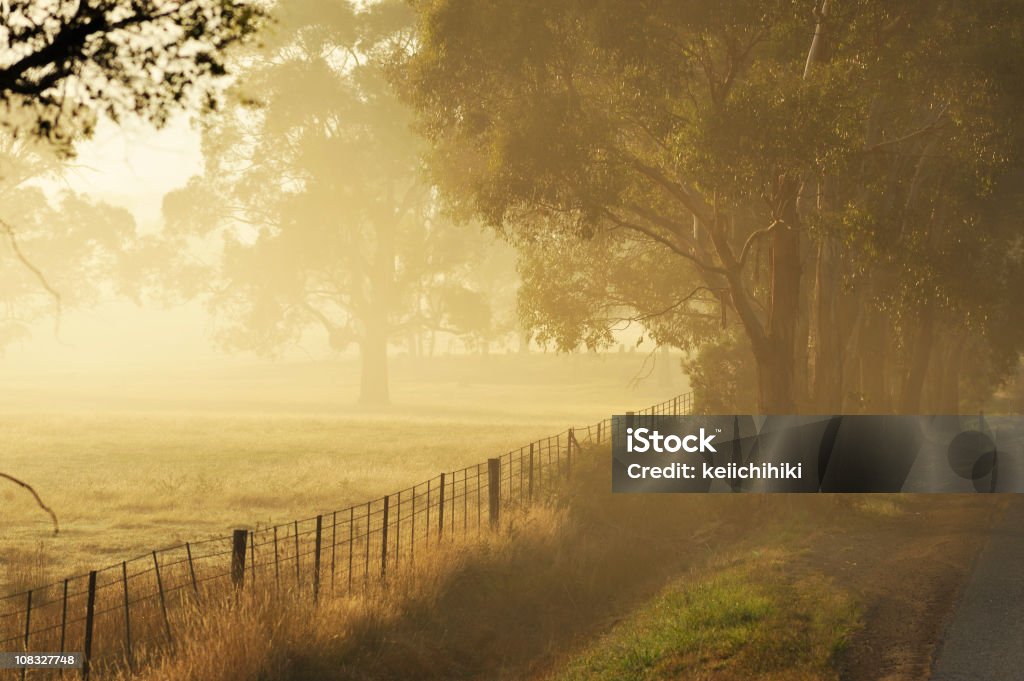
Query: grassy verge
[[745, 618], [519, 603]]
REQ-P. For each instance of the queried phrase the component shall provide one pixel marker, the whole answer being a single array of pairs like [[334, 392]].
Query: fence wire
[[108, 612]]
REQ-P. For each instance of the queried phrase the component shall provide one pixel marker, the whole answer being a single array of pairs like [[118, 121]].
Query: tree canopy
[[820, 173], [64, 64]]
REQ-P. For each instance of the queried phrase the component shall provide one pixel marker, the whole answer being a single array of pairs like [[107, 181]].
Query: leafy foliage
[[62, 64], [815, 171]]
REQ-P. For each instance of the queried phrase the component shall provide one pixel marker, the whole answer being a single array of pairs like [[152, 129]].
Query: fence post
[[571, 440], [277, 562], [531, 472], [334, 544], [494, 488], [238, 557], [316, 559], [599, 424], [28, 626], [252, 557], [160, 588], [384, 540], [192, 570], [298, 570], [351, 542], [90, 616], [558, 453], [440, 512], [398, 529], [479, 504], [127, 621], [366, 558], [64, 616]]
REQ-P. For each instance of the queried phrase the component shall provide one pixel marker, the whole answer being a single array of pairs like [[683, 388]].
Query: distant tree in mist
[[841, 182], [57, 253], [312, 212], [65, 64]]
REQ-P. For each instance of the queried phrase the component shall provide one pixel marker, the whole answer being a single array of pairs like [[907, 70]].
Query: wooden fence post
[[238, 557], [384, 540], [440, 512], [494, 489], [90, 616], [316, 559]]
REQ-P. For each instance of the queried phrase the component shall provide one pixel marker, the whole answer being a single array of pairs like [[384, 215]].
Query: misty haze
[[316, 314]]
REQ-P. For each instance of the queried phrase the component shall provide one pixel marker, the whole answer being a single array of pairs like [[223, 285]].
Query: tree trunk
[[910, 399], [524, 341], [775, 380], [779, 356], [949, 402], [874, 360], [829, 341], [373, 357]]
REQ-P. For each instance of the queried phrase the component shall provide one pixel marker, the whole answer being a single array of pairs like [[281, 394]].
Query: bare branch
[[753, 237], [6, 227], [53, 516]]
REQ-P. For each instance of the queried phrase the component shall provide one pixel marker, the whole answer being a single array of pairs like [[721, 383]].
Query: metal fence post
[[90, 616], [440, 511], [384, 540], [127, 620], [531, 471], [316, 558]]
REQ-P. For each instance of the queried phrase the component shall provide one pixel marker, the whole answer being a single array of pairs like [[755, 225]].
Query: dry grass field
[[136, 462]]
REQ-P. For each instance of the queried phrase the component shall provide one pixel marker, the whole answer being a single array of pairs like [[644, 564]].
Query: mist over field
[[314, 315]]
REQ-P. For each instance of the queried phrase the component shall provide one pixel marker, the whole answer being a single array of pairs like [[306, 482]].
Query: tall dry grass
[[499, 606]]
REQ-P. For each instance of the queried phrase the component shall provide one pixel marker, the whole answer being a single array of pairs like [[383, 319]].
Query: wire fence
[[117, 614]]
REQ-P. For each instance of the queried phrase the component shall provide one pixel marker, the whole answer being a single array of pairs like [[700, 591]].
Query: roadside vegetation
[[592, 585]]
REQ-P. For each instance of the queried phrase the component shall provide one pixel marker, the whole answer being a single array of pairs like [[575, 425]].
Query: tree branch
[[53, 516], [6, 228]]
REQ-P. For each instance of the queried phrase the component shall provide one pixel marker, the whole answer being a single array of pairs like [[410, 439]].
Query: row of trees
[[831, 193], [825, 197]]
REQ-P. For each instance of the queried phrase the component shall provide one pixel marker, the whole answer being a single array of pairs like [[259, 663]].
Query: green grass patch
[[749, 619]]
